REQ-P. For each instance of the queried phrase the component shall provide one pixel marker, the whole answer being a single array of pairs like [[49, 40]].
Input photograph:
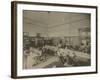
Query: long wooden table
[[80, 56]]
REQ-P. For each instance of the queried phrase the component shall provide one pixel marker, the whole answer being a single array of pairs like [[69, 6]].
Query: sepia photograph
[[56, 39], [53, 39]]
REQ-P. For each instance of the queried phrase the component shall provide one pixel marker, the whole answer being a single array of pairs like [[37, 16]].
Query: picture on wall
[[53, 39]]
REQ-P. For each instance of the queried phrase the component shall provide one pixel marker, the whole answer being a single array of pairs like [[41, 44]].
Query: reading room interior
[[56, 39]]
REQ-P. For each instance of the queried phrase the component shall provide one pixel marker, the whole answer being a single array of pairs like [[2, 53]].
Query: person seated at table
[[61, 54], [38, 51], [82, 47]]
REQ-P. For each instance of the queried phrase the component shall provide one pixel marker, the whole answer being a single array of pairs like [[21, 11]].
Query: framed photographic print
[[50, 39]]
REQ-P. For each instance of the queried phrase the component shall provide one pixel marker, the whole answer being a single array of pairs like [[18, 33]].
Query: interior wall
[[34, 29], [69, 29], [58, 25]]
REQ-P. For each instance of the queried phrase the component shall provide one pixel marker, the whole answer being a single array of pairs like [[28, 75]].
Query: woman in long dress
[[25, 56], [32, 58]]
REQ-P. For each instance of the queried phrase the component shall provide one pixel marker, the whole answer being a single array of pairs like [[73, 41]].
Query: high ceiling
[[51, 19]]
